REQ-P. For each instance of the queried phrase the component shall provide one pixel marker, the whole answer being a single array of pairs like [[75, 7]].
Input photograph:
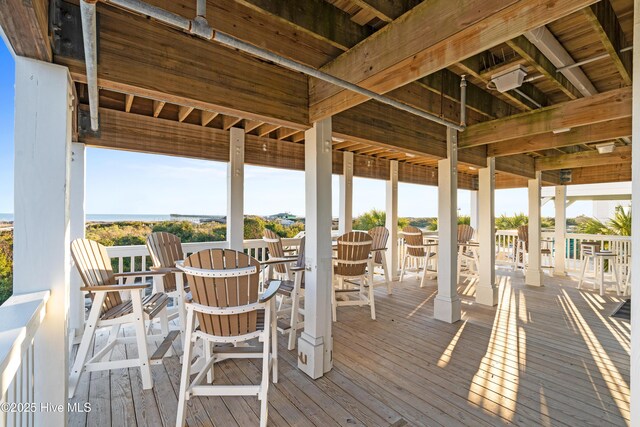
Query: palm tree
[[620, 223]]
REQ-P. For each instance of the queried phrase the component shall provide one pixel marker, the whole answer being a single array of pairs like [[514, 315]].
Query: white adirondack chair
[[224, 285], [110, 310], [380, 236]]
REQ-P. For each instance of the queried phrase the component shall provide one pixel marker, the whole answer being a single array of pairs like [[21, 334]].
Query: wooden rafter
[[584, 159], [26, 25], [541, 63], [250, 125], [386, 10], [596, 132], [183, 112], [432, 36], [157, 107], [604, 20], [284, 132], [615, 104], [266, 129], [206, 117], [128, 102], [228, 122]]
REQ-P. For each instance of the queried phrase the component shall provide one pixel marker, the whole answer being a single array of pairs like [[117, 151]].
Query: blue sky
[[120, 182]]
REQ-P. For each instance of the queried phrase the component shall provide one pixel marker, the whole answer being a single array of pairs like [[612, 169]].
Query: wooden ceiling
[[148, 69]]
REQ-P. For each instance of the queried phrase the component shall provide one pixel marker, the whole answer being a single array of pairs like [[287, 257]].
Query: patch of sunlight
[[591, 298], [446, 356], [495, 392], [470, 289], [565, 314], [415, 310], [625, 342], [522, 308], [618, 387], [544, 409]]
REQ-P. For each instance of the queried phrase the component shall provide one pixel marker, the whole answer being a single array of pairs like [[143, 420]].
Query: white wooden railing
[[20, 318], [138, 259]]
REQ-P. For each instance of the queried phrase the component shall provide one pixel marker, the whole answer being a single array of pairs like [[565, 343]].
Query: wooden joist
[[431, 36], [604, 20], [584, 159], [250, 125], [598, 174], [183, 112], [157, 107], [597, 132], [387, 10], [185, 70], [128, 102], [541, 63], [266, 128], [612, 105], [228, 122], [26, 25], [206, 117], [284, 132]]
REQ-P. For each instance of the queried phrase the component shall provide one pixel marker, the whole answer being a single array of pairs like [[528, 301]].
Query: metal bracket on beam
[[84, 124], [66, 28], [565, 176]]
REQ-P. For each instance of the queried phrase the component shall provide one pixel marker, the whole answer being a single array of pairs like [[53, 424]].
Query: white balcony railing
[[21, 317]]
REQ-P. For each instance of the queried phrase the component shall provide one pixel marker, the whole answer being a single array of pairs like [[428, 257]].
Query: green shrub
[[375, 218]]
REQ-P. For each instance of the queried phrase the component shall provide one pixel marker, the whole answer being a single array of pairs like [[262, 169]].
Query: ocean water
[[108, 217]]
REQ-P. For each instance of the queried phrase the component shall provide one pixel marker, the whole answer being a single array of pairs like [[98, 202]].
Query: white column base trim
[[487, 295], [311, 355], [559, 273], [533, 277], [447, 309]]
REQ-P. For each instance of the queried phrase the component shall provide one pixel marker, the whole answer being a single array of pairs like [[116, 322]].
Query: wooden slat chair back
[[380, 236], [523, 235], [224, 292], [94, 265], [165, 250], [353, 254], [414, 241], [274, 244], [465, 233]]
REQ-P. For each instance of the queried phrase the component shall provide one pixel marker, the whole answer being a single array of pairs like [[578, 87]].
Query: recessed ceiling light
[[473, 168], [410, 155]]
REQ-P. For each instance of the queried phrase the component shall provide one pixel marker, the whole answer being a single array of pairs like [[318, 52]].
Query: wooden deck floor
[[546, 356]]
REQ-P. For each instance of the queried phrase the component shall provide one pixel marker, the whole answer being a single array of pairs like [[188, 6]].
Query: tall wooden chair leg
[[264, 384], [385, 268], [206, 346], [584, 269], [113, 336], [185, 378], [293, 324], [404, 266], [614, 267], [334, 302], [274, 345], [372, 300], [141, 338]]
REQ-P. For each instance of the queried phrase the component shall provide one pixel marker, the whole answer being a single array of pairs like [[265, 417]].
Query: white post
[[43, 104], [475, 210], [635, 238], [487, 291], [315, 343], [235, 189], [533, 274], [392, 219], [560, 231], [447, 303], [77, 230], [346, 194]]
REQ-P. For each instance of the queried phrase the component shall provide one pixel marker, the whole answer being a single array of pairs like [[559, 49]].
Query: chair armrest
[[165, 269], [113, 288], [274, 285], [378, 249], [278, 261], [159, 272], [296, 269]]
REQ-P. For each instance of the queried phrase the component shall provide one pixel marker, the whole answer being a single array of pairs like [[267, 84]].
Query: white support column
[[346, 194], [315, 345], [487, 291], [43, 103], [475, 210], [533, 274], [560, 231], [635, 238], [392, 219], [235, 189], [77, 231], [447, 303]]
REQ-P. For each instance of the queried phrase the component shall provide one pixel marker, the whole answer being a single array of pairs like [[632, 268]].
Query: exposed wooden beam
[[602, 107], [157, 107], [432, 36], [584, 159], [26, 24], [387, 10], [597, 132], [541, 63], [298, 137], [250, 125], [283, 132], [228, 122], [266, 129], [128, 102], [597, 174], [183, 112], [206, 117], [317, 17], [605, 21], [193, 72]]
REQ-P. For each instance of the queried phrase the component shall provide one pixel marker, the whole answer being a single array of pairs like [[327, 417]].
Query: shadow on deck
[[545, 356]]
